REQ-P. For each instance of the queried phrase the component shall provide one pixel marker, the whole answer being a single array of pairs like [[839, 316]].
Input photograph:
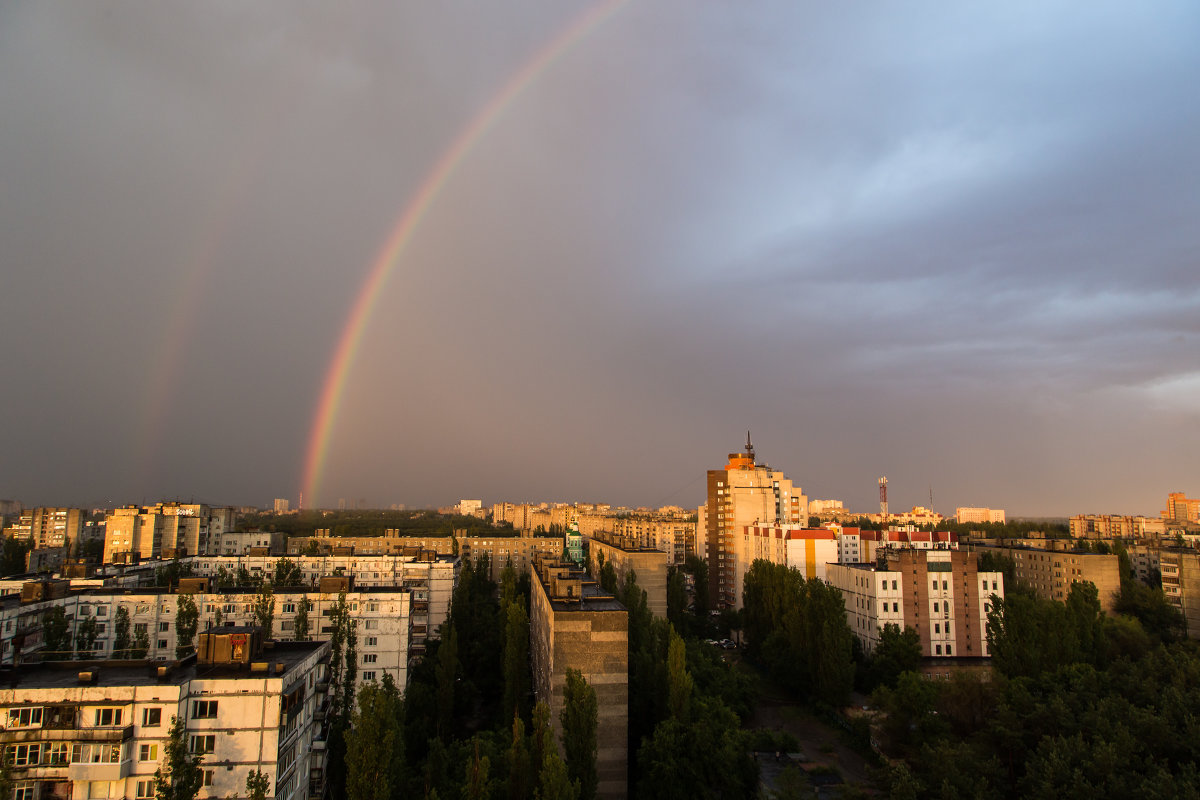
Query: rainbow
[[410, 218]]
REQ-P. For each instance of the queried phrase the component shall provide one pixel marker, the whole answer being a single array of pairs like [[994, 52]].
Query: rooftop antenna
[[749, 447], [883, 501]]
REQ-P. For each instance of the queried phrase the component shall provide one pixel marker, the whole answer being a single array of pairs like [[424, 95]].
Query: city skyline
[[574, 250]]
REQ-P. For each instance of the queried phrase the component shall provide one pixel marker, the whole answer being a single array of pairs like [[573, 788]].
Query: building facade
[[573, 624], [743, 494], [966, 516], [940, 593], [649, 567], [99, 729]]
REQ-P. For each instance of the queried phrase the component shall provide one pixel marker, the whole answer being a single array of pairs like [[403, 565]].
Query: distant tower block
[[883, 505]]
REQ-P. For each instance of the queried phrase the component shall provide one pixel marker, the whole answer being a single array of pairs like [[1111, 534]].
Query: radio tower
[[883, 506]]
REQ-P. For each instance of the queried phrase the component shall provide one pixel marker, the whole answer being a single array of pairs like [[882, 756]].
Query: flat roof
[[65, 674]]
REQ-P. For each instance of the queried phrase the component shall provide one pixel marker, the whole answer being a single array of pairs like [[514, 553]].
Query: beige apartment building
[[743, 494], [1181, 584], [967, 515], [54, 527], [1051, 572], [940, 593], [1114, 526], [1181, 509], [626, 554], [573, 624], [672, 533], [521, 551], [808, 550], [133, 532]]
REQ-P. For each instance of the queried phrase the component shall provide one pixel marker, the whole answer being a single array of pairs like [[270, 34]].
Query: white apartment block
[[236, 543], [99, 730], [428, 577], [384, 624], [940, 593]]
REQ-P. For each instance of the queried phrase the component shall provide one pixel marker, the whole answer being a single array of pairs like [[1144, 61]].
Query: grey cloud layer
[[957, 247]]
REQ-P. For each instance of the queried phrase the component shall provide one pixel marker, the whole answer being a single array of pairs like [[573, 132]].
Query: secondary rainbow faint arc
[[389, 256]]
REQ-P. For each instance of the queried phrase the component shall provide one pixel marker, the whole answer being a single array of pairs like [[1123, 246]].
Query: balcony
[[103, 771], [54, 734]]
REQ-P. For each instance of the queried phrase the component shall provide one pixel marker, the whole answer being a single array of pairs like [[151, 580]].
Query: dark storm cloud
[[953, 246]]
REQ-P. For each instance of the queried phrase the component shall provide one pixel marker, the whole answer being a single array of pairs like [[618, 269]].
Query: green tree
[[375, 743], [121, 633], [898, 651], [520, 777], [85, 638], [141, 643], [541, 737], [302, 609], [554, 781], [680, 680], [704, 757], [608, 578], [56, 634], [516, 661], [264, 611], [224, 579], [475, 781], [579, 720], [287, 573], [677, 599], [187, 618], [447, 674], [258, 785], [13, 556], [180, 776]]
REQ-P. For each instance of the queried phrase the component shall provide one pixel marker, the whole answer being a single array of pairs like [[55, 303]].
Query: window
[[895, 606], [24, 717], [939, 649], [101, 611], [145, 790], [937, 627], [108, 717], [208, 777], [945, 585], [206, 744], [204, 709], [935, 608], [893, 586], [163, 627], [289, 608], [371, 624], [162, 644], [372, 641], [56, 753], [368, 676], [148, 752], [24, 755], [26, 790], [151, 717], [139, 627], [95, 753], [369, 658], [948, 650]]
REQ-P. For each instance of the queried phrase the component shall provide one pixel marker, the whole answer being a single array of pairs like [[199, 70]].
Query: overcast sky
[[956, 245]]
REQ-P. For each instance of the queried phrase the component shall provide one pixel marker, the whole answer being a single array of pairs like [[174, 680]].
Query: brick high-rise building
[[744, 493]]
